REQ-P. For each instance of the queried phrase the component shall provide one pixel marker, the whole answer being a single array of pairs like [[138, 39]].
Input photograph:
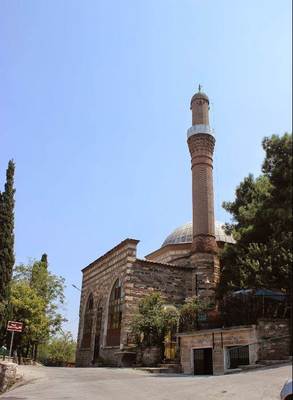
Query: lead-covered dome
[[183, 234]]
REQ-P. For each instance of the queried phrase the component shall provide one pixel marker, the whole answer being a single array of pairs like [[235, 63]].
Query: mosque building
[[187, 264]]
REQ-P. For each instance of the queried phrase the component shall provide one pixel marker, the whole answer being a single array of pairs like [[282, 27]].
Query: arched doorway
[[115, 314], [98, 334]]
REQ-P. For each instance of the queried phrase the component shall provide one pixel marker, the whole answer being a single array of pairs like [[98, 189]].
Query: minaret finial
[[199, 87]]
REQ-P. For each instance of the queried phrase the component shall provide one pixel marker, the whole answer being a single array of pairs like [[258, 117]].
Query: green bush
[[59, 351]]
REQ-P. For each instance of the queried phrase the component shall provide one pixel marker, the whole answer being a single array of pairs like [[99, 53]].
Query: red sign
[[14, 326]]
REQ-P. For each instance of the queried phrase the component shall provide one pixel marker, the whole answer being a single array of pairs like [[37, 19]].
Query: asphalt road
[[126, 384]]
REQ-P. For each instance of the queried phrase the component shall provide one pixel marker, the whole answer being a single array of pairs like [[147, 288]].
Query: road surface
[[126, 384]]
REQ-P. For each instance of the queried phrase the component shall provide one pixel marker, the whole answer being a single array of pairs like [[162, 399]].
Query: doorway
[[203, 361], [96, 349], [97, 335]]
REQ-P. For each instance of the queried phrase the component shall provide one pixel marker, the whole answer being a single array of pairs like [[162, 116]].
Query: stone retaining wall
[[274, 339], [218, 340]]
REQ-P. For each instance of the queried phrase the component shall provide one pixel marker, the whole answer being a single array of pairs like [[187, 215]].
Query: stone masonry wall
[[139, 278], [177, 254], [98, 279], [274, 339], [207, 266], [145, 277]]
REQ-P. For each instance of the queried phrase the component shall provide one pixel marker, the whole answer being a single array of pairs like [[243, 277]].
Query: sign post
[[13, 326], [11, 343]]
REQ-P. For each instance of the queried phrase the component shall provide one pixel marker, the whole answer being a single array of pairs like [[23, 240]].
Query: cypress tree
[[7, 233], [44, 259], [40, 276]]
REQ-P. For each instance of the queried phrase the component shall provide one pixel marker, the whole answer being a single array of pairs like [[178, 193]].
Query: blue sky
[[94, 108]]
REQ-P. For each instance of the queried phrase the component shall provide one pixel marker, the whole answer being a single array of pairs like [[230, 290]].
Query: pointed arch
[[116, 301], [88, 322]]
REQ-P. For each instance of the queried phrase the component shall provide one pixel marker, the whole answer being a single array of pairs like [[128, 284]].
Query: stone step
[[170, 363], [173, 367], [233, 371], [158, 370], [153, 370]]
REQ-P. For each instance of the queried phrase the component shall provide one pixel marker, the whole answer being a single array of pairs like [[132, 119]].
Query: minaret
[[201, 144]]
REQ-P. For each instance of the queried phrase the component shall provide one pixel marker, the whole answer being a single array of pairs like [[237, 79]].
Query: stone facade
[[98, 279], [207, 267], [138, 278]]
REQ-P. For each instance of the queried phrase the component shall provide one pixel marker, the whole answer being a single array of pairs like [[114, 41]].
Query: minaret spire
[[201, 144]]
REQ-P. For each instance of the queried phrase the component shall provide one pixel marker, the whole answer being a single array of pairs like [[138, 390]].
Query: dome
[[200, 95], [183, 234]]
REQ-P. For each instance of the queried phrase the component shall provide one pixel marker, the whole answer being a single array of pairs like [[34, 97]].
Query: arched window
[[88, 323], [115, 315]]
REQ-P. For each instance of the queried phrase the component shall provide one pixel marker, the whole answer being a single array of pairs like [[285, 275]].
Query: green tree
[[190, 312], [28, 307], [6, 240], [262, 224], [249, 220], [39, 276], [277, 167], [46, 290], [48, 286], [153, 320]]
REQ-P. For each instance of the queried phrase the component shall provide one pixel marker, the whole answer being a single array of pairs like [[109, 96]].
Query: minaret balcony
[[196, 129]]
